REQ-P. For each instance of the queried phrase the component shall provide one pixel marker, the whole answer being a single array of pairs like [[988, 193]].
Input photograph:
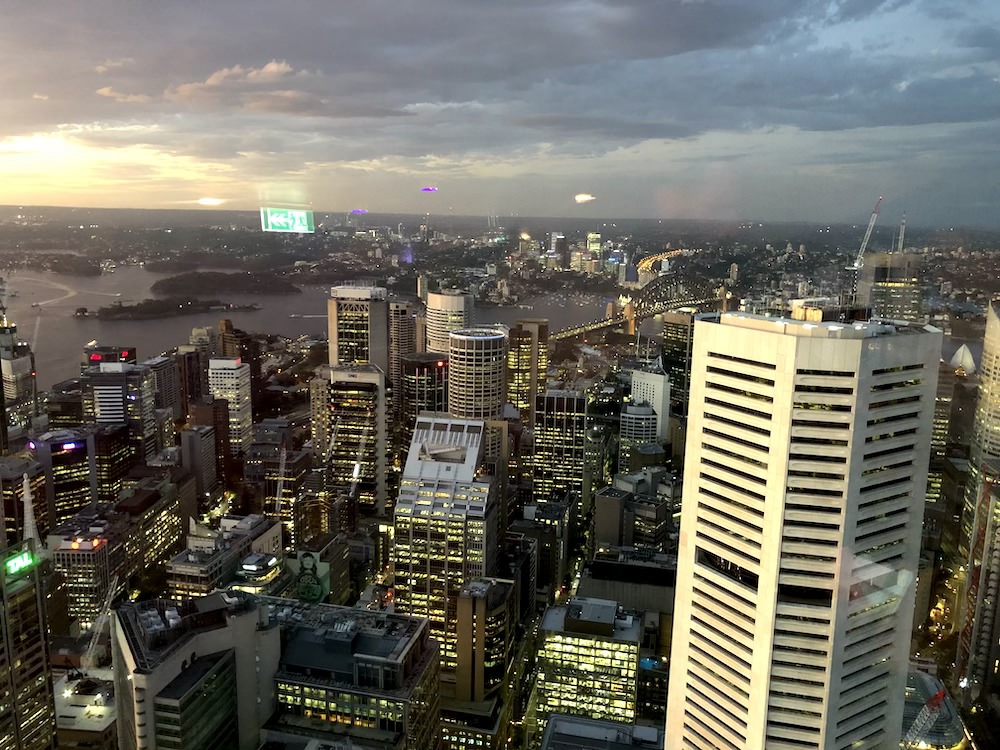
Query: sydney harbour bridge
[[663, 293]]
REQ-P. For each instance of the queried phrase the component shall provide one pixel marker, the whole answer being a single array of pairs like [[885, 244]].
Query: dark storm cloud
[[452, 84]]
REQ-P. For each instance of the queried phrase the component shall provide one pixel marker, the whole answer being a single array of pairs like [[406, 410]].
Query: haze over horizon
[[782, 110]]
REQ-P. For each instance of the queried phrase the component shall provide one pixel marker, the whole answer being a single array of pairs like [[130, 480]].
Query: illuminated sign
[[286, 220], [69, 446], [17, 563]]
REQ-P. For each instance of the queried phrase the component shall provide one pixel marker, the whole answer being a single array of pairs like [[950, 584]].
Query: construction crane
[[924, 721], [88, 660], [282, 460], [856, 266], [902, 231], [356, 475]]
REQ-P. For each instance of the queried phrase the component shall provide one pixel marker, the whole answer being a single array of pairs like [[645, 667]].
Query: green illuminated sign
[[17, 563], [286, 220]]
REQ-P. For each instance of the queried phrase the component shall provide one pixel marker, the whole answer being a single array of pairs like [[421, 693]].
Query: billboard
[[287, 220]]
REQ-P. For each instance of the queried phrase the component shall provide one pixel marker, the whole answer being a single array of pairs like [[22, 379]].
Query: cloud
[[120, 97], [110, 64]]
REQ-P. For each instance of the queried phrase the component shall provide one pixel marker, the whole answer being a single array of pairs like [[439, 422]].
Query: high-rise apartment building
[[349, 423], [560, 441], [358, 325], [27, 708], [229, 379], [805, 467], [979, 543], [446, 525], [448, 310], [527, 365]]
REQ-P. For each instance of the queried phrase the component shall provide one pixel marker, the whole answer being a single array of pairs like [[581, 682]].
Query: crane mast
[[902, 231], [868, 235]]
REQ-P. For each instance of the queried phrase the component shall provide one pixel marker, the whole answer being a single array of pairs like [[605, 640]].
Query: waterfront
[[42, 306]]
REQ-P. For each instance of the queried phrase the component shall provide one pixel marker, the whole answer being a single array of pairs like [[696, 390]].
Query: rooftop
[[600, 617], [85, 703], [822, 329], [578, 733]]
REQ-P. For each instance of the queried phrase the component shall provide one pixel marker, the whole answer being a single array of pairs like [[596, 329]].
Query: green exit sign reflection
[[287, 220], [17, 563]]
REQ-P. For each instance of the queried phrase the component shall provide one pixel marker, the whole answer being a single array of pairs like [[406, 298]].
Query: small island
[[214, 282], [150, 309]]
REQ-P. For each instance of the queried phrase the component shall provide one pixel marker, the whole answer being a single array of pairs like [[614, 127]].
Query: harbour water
[[42, 305]]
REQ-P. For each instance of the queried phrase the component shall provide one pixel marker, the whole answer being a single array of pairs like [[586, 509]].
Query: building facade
[[447, 311], [801, 518]]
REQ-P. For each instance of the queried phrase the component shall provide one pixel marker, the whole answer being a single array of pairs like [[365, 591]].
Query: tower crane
[[282, 461], [88, 660], [925, 719], [902, 231], [856, 266]]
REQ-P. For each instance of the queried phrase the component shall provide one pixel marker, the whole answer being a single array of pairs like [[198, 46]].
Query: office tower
[[64, 405], [95, 355], [198, 456], [891, 285], [273, 465], [66, 458], [402, 343], [104, 546], [235, 343], [481, 714], [13, 470], [446, 526], [349, 435], [367, 678], [639, 426], [575, 732], [594, 242], [476, 364], [978, 650], [214, 412], [194, 674], [113, 457], [559, 249], [652, 387], [17, 372], [588, 661], [167, 391], [802, 505], [527, 365], [678, 338], [123, 393], [560, 443], [425, 386], [27, 713], [448, 310], [627, 519], [206, 339], [358, 324], [193, 373], [229, 379]]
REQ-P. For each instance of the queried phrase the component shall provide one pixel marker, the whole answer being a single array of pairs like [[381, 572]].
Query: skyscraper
[[27, 709], [239, 344], [800, 532], [358, 325], [527, 365], [17, 371], [229, 379], [560, 439], [349, 434], [123, 393], [446, 526], [891, 285], [476, 364], [402, 343], [980, 537], [448, 310]]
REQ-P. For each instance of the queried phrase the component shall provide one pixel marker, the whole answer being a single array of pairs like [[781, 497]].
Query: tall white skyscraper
[[229, 379], [978, 649], [806, 460], [447, 310]]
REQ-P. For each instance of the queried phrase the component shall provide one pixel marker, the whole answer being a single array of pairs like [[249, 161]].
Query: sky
[[784, 110]]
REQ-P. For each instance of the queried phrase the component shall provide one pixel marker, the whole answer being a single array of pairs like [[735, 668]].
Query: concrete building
[[578, 733], [448, 310], [13, 470], [652, 387], [123, 393], [196, 674], [229, 380], [806, 460], [476, 367], [352, 674], [358, 325], [891, 285], [85, 710]]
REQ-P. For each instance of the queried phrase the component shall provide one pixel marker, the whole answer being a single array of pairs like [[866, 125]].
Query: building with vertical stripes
[[806, 460]]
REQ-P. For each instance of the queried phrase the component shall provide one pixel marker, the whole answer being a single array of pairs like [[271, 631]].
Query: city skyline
[[783, 111]]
